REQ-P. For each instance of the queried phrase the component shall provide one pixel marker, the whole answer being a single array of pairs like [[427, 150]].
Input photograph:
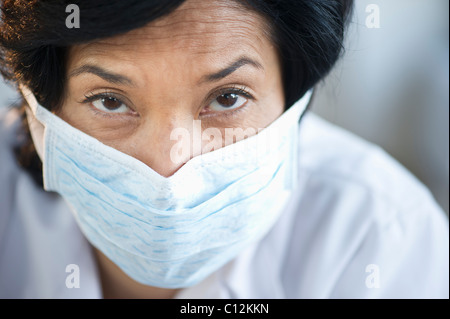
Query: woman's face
[[208, 61]]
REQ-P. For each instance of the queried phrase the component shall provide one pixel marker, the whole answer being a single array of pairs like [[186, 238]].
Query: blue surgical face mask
[[170, 232]]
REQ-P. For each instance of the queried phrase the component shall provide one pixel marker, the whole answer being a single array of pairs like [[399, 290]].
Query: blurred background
[[392, 85]]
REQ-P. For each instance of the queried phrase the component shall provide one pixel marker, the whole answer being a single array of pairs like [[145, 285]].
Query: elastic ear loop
[[37, 129]]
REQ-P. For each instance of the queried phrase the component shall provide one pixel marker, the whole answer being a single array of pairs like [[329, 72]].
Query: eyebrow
[[104, 74], [123, 80], [231, 68]]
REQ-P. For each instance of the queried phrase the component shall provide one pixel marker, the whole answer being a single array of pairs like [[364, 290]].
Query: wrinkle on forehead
[[197, 25], [194, 40]]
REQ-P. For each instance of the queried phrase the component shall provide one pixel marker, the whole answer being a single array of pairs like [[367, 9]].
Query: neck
[[117, 285]]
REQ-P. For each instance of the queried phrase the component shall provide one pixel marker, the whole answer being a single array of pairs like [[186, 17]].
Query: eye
[[110, 104], [228, 101], [107, 103]]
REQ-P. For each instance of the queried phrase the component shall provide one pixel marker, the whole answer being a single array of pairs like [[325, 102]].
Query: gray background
[[391, 87]]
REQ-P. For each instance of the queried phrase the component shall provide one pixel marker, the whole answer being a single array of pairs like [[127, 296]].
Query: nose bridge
[[166, 141]]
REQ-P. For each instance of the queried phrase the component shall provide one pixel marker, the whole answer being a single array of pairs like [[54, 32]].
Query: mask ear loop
[[37, 129]]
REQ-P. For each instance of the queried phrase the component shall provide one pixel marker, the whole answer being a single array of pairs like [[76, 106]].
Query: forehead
[[196, 29]]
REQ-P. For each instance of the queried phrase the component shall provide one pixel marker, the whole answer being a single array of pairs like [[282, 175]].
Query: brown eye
[[227, 101], [111, 103]]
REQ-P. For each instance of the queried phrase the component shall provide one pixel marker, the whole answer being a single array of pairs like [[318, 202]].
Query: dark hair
[[34, 40]]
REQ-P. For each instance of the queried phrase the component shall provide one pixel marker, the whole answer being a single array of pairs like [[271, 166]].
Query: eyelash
[[239, 90], [242, 90], [91, 97]]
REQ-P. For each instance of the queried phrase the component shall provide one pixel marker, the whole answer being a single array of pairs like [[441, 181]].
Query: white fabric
[[356, 209]]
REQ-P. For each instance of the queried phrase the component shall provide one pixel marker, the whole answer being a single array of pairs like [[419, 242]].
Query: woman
[[169, 131]]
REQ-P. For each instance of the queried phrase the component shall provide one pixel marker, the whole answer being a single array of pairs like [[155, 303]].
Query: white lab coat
[[359, 226]]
